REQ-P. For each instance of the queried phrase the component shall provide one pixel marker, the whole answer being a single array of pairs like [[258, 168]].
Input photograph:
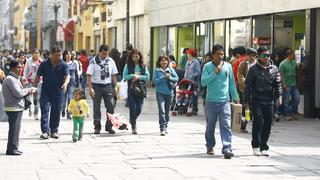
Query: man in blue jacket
[[217, 75]]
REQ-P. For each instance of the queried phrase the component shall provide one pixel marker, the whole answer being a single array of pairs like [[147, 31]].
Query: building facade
[[277, 25]]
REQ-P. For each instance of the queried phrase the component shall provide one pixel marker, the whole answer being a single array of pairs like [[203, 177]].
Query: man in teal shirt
[[184, 59], [217, 75], [289, 85]]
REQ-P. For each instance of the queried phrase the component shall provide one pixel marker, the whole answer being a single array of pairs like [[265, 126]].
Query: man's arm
[[89, 82], [36, 81]]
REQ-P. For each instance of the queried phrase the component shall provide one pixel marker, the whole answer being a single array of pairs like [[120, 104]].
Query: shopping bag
[[236, 114], [123, 90], [3, 115], [118, 121]]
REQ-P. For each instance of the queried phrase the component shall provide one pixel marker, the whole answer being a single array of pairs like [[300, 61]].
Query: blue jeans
[[67, 98], [52, 104], [135, 107], [83, 82], [213, 110], [291, 107], [164, 102]]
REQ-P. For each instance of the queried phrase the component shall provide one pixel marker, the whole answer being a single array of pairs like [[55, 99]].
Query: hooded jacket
[[262, 84]]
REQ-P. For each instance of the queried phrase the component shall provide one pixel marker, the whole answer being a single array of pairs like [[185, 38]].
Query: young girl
[[79, 108], [133, 71]]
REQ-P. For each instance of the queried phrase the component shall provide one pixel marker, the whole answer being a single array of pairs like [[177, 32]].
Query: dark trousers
[[14, 130], [261, 127], [50, 104], [135, 108], [104, 92]]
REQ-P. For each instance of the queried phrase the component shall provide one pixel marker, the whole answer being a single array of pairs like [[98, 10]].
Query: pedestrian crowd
[[267, 85]]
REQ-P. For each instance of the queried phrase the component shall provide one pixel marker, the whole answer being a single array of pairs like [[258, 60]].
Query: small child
[[79, 109]]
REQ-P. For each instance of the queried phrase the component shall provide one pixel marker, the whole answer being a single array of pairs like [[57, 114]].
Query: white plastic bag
[[3, 115], [123, 90]]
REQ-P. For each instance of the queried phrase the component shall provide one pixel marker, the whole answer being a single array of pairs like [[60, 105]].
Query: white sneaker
[[256, 152], [264, 153], [162, 133]]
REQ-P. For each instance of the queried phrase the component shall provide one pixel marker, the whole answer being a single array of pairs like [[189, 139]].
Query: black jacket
[[262, 84]]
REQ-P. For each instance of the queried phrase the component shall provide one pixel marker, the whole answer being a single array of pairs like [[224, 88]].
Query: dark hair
[[65, 52], [251, 51], [83, 52], [262, 49], [172, 58], [130, 60], [241, 50], [210, 54], [185, 50], [217, 47], [129, 47], [288, 52], [34, 50], [13, 63], [160, 58], [55, 49], [80, 91], [103, 47]]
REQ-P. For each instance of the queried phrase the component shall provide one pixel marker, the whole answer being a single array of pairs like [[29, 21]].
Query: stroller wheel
[[174, 113], [189, 114]]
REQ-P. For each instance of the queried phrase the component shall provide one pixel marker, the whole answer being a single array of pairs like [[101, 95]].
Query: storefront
[[277, 31]]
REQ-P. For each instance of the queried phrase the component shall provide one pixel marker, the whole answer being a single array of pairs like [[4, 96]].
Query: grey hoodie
[[13, 93]]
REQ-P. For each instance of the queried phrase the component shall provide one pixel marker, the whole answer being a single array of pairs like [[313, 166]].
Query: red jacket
[[235, 66], [85, 63]]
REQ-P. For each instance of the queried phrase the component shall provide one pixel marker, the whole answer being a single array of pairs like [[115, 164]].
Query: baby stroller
[[182, 100]]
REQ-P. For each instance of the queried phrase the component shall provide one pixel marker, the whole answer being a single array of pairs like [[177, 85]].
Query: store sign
[[261, 41]]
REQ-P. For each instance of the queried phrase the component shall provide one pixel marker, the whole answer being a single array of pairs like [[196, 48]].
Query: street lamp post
[[56, 8], [127, 19]]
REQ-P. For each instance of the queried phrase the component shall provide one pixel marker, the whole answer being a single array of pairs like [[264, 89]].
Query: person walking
[[193, 73], [83, 58], [135, 70], [13, 93], [73, 74], [55, 78], [101, 72], [262, 86], [184, 59], [242, 72], [164, 77], [218, 76], [29, 75], [288, 73], [79, 109]]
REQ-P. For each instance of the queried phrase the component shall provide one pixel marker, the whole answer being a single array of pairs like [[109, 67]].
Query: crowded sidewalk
[[181, 154]]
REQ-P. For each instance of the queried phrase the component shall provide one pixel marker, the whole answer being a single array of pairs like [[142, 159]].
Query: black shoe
[[54, 135], [63, 114], [134, 130], [74, 139], [96, 131], [44, 136], [14, 153], [228, 155], [110, 130]]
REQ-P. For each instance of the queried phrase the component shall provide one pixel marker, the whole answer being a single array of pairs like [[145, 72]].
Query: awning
[[69, 31]]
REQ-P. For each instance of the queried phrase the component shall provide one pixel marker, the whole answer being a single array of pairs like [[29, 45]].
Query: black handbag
[[139, 88], [27, 102], [171, 84]]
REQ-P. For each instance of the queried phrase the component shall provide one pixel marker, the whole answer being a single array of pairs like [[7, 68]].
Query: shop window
[[203, 38], [240, 33], [219, 32], [159, 43], [261, 31], [186, 38], [289, 32], [172, 41]]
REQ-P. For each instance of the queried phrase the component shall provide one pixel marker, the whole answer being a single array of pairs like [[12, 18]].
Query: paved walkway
[[295, 152]]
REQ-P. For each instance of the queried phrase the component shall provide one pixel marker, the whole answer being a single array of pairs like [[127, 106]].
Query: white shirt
[[94, 70]]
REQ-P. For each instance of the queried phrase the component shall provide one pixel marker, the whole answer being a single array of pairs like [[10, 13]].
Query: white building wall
[[168, 12]]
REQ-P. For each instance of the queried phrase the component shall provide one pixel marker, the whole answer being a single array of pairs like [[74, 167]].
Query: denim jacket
[[193, 71], [161, 82]]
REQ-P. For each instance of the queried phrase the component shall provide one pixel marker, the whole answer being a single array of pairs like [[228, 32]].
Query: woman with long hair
[[135, 71], [163, 75], [73, 73]]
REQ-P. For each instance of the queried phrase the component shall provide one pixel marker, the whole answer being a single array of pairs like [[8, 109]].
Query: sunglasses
[[263, 56]]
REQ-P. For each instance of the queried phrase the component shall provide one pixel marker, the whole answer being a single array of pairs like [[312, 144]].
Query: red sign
[[262, 41]]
